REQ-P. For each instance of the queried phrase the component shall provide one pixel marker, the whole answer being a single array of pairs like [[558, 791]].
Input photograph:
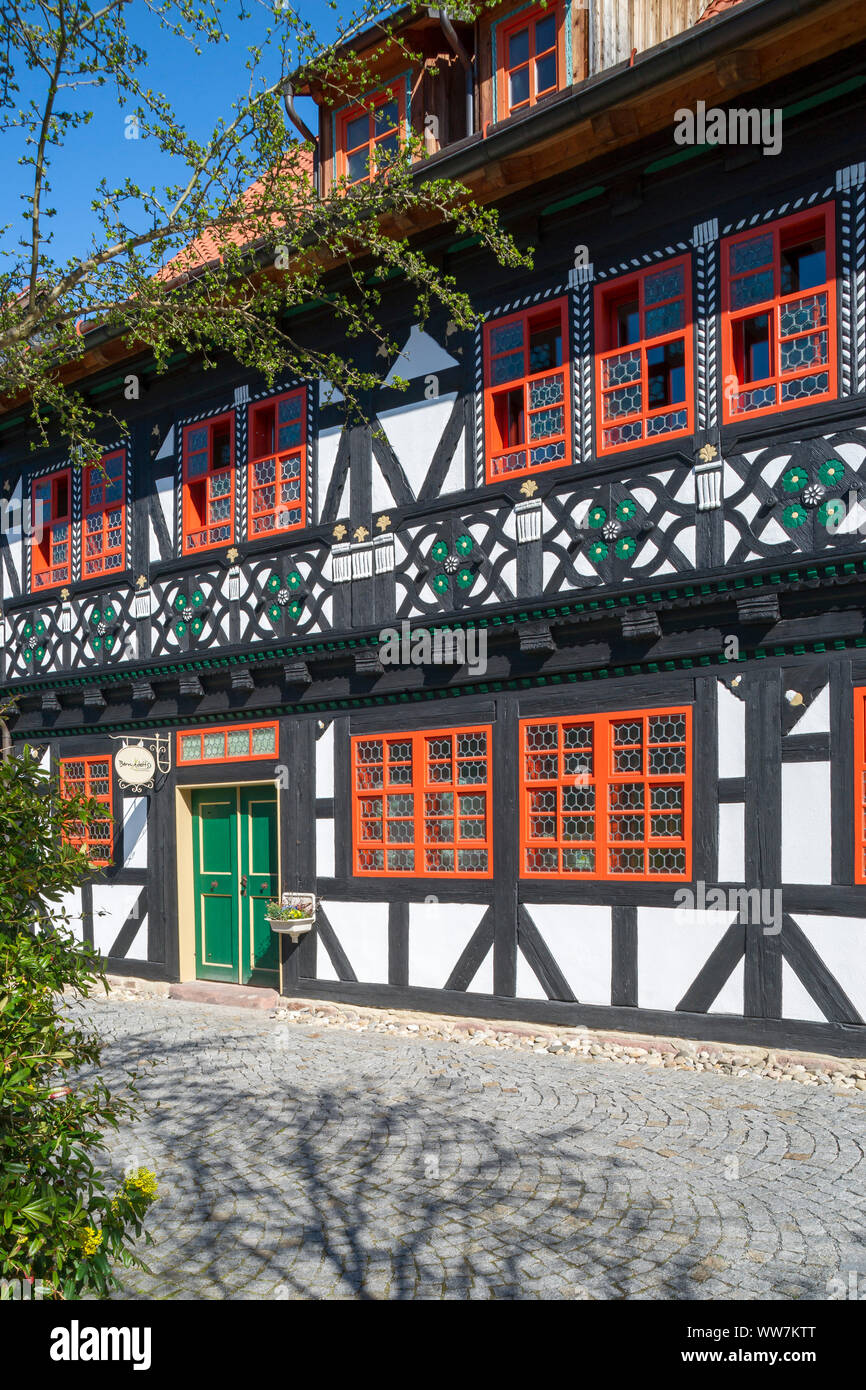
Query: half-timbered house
[[637, 486]]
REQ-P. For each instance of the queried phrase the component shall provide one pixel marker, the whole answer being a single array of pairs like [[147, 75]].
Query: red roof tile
[[717, 7], [205, 249]]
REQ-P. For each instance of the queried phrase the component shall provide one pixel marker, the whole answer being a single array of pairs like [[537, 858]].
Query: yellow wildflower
[[92, 1241], [143, 1181]]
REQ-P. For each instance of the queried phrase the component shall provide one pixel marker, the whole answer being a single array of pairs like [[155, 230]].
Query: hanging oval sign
[[135, 766]]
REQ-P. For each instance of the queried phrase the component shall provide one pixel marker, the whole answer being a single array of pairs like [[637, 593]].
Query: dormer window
[[368, 137], [532, 61]]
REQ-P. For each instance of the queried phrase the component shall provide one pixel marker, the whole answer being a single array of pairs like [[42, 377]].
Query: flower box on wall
[[294, 915]]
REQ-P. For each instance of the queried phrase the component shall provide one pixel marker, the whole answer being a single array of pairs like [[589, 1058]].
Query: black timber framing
[[591, 665]]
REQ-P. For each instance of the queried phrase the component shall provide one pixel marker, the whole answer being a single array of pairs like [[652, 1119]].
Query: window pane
[[752, 347], [664, 284], [358, 165], [545, 33], [750, 255], [627, 323], [507, 368], [752, 289], [804, 266], [666, 374], [545, 346], [505, 336], [545, 74], [667, 318], [519, 87], [357, 131], [518, 48]]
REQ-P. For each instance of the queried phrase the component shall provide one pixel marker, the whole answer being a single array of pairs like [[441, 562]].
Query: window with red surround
[[51, 545], [368, 134], [607, 796], [779, 315], [526, 396], [234, 744], [104, 516], [421, 804], [90, 777], [860, 785], [208, 484], [644, 368], [277, 469], [532, 58]]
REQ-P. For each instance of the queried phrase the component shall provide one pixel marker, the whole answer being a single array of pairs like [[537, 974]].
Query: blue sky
[[201, 88]]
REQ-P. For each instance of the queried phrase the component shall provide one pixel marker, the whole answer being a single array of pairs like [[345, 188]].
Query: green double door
[[235, 858]]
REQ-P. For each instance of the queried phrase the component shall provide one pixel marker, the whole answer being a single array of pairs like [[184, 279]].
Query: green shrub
[[59, 1225]]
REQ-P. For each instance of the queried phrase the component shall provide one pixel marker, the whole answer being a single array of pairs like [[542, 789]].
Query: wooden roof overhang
[[750, 46]]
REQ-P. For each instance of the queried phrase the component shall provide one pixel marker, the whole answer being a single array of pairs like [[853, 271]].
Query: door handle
[[214, 885], [243, 885], [264, 888]]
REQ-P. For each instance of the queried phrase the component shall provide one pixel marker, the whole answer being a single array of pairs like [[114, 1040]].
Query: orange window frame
[[545, 395], [94, 781], [580, 800], [369, 106], [103, 541], [274, 470], [614, 374], [226, 754], [208, 485], [775, 236], [51, 543], [422, 800], [506, 31], [860, 784]]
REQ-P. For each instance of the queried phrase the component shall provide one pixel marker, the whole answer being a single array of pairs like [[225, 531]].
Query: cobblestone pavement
[[300, 1163]]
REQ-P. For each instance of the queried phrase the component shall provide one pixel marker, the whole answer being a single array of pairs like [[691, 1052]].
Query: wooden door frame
[[185, 859]]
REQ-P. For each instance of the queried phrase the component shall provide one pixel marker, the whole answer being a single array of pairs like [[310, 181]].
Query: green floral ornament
[[463, 545], [273, 583], [794, 516], [625, 547], [795, 479], [465, 579], [626, 509], [831, 513], [439, 551], [598, 551], [597, 517], [831, 472], [440, 583]]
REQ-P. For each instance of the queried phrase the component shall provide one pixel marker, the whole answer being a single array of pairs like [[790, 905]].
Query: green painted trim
[[808, 572], [691, 153], [584, 197], [464, 244], [687, 663]]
